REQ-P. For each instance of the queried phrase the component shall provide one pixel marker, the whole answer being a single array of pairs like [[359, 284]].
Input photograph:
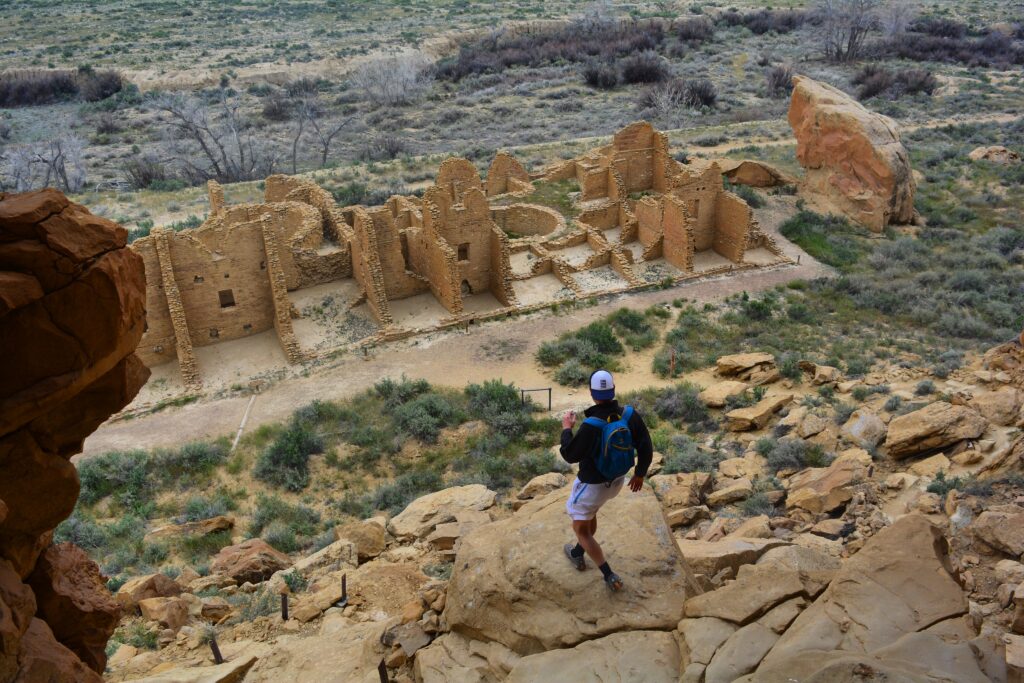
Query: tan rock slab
[[709, 558], [422, 515], [716, 395], [929, 467], [630, 656], [741, 653], [757, 415], [935, 426], [735, 492], [368, 537]]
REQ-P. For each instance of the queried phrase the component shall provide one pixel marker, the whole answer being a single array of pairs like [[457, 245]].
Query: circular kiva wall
[[527, 220]]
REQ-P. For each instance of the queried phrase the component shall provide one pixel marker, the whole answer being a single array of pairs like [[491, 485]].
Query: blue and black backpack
[[616, 455]]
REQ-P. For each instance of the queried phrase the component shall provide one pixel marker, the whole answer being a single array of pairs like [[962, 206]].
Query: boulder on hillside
[[709, 558], [170, 613], [823, 489], [756, 416], [716, 395], [42, 658], [935, 426], [203, 527], [996, 154], [147, 586], [1001, 530], [368, 537], [72, 597], [454, 658], [541, 485], [754, 368], [17, 608], [512, 584], [253, 560], [422, 515], [342, 650], [72, 311], [820, 374], [864, 428], [681, 490], [1003, 407], [853, 157], [233, 671], [898, 585], [648, 656]]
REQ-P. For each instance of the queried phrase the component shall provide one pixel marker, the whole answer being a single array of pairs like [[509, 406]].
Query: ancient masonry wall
[[279, 294], [398, 280], [216, 195], [501, 269], [366, 267], [504, 170], [456, 176], [634, 156], [431, 255], [527, 219], [677, 228], [699, 192], [733, 221], [183, 339], [159, 343]]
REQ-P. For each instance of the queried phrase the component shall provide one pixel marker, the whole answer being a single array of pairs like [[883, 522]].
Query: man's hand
[[569, 419], [636, 483]]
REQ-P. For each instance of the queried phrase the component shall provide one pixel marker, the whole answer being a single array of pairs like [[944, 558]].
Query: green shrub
[[400, 392], [424, 416], [198, 548], [796, 454], [249, 606], [200, 507], [300, 519], [757, 504], [123, 474], [396, 495], [316, 413], [285, 462], [681, 402], [924, 388], [80, 530], [893, 404], [683, 455], [188, 464], [281, 537], [295, 581], [500, 406], [942, 485], [830, 239], [572, 374]]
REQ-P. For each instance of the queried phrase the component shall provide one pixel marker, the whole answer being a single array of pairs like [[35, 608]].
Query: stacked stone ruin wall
[[158, 343], [678, 242], [527, 219], [456, 176], [501, 269], [593, 181], [733, 218], [504, 170], [366, 266], [280, 303], [603, 217], [187, 365], [222, 277], [699, 193], [468, 232], [436, 261], [649, 221], [399, 283]]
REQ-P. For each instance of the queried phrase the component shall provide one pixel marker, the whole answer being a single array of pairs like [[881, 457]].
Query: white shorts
[[586, 499]]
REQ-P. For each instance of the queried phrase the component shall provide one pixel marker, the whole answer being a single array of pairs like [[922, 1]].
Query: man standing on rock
[[604, 447]]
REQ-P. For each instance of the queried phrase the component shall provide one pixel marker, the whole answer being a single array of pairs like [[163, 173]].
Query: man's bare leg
[[584, 529]]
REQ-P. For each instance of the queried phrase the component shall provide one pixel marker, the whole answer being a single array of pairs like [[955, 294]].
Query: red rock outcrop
[[854, 157], [72, 310], [72, 597]]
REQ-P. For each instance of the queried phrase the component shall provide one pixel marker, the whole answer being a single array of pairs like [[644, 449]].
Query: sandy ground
[[452, 358]]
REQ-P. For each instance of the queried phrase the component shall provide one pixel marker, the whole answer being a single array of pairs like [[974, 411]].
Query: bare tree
[[394, 79], [596, 14], [896, 16], [20, 169], [846, 24], [214, 143]]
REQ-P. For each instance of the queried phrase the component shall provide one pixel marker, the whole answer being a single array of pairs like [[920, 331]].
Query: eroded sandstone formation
[[72, 310], [854, 157]]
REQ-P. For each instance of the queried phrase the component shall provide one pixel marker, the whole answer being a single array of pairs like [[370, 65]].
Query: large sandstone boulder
[[147, 586], [203, 527], [935, 426], [864, 428], [852, 156], [233, 671], [454, 658], [756, 416], [995, 153], [1004, 407], [72, 598], [899, 585], [709, 558], [649, 656], [1002, 530], [716, 395], [253, 560], [755, 368], [72, 311], [17, 607], [42, 659], [422, 515], [512, 584], [823, 489], [368, 538]]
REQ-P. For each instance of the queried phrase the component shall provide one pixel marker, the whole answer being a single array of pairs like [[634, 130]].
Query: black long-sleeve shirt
[[583, 446]]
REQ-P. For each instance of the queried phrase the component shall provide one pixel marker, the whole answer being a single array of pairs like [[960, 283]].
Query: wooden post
[[284, 607], [672, 365], [217, 657], [382, 671]]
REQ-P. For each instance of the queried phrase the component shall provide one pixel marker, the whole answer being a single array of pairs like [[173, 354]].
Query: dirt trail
[[453, 358]]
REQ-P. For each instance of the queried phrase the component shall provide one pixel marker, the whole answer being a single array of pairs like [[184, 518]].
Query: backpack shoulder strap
[[594, 422], [627, 414]]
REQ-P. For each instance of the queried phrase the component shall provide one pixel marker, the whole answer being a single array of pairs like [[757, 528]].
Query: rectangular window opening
[[464, 251], [227, 298]]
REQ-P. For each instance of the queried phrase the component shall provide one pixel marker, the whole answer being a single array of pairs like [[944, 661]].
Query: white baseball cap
[[602, 386]]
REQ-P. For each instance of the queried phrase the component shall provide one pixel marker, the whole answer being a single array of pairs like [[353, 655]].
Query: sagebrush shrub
[[285, 462]]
